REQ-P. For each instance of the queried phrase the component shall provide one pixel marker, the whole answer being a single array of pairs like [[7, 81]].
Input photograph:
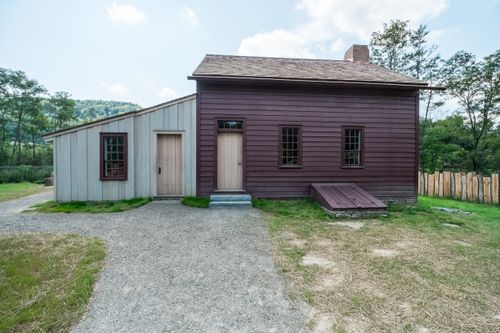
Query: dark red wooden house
[[272, 127]]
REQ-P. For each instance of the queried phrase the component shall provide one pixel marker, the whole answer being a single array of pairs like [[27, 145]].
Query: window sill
[[107, 179], [290, 167], [353, 167]]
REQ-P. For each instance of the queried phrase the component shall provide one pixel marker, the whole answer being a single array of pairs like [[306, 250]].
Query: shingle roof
[[244, 67]]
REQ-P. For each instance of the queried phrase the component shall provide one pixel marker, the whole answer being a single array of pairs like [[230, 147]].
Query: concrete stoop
[[230, 201]]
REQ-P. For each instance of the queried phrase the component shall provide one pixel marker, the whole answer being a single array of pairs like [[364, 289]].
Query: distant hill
[[89, 109]]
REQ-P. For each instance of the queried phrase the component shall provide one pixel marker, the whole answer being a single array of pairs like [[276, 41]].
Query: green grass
[[88, 206], [9, 191], [449, 272], [198, 202], [46, 280]]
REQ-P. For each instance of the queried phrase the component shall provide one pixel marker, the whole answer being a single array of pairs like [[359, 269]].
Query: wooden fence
[[467, 186]]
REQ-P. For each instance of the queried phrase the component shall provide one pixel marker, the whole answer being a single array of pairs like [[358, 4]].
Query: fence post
[[487, 190], [464, 187], [475, 188], [470, 180], [446, 184], [494, 189], [458, 186], [440, 184], [431, 185]]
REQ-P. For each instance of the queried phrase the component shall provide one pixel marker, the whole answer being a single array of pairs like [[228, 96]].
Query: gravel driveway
[[172, 268]]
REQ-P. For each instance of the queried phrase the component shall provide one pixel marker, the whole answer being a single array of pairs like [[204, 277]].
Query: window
[[352, 152], [290, 154], [230, 124], [113, 156]]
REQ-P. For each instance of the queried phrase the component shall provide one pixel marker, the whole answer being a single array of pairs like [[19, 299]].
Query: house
[[269, 127]]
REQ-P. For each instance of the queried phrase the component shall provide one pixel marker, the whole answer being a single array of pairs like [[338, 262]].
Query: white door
[[230, 161], [169, 164]]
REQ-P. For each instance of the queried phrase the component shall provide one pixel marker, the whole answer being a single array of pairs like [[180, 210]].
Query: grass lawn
[[88, 206], [46, 280], [416, 270], [198, 202], [16, 190]]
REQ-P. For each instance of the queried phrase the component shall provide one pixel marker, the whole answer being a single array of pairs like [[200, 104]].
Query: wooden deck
[[345, 197]]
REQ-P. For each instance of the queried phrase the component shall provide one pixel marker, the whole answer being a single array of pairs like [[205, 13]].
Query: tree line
[[27, 111], [469, 138]]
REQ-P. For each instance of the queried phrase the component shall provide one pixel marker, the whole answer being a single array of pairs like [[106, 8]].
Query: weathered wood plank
[[446, 184], [495, 191], [431, 183], [458, 186], [487, 190], [464, 187], [475, 189], [470, 176]]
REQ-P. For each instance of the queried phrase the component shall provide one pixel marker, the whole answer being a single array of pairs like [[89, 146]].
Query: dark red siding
[[388, 118]]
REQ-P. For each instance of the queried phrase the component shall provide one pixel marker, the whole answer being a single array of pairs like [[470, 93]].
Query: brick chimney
[[358, 53]]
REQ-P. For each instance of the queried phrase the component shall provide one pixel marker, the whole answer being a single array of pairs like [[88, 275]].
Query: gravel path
[[172, 268]]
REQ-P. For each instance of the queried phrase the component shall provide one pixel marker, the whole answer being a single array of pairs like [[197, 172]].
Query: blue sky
[[142, 51]]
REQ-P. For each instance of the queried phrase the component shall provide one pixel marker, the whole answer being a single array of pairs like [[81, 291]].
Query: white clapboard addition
[[77, 154]]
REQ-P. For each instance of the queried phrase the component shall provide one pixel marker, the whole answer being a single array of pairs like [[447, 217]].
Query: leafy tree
[[61, 110], [400, 48], [389, 46], [21, 96], [444, 145], [476, 86]]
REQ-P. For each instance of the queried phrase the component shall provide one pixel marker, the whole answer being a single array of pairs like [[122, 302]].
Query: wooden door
[[169, 164], [230, 161]]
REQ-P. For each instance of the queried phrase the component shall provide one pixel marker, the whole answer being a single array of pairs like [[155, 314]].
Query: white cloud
[[190, 16], [277, 43], [167, 93], [125, 14], [117, 89], [330, 22]]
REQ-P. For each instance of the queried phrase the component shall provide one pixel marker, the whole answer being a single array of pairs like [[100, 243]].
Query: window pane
[[352, 147], [290, 146], [114, 156], [230, 124]]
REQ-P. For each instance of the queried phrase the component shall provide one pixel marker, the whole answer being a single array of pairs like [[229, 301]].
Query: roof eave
[[215, 78]]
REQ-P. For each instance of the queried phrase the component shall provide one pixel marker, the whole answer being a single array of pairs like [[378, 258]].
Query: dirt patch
[[330, 281], [324, 322], [385, 253], [404, 244], [292, 239], [459, 242], [356, 325], [314, 259], [348, 224]]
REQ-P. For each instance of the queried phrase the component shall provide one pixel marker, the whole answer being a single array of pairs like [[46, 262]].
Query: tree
[[389, 46], [444, 145], [400, 48], [61, 110], [476, 87], [21, 97]]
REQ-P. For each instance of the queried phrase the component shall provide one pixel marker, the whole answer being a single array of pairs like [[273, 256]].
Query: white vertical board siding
[[176, 118], [77, 155]]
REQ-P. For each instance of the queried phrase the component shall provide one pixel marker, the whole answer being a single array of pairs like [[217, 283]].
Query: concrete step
[[230, 197], [230, 204]]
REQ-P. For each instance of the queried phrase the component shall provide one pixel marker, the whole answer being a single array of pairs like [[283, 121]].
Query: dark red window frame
[[361, 147], [102, 140], [299, 147]]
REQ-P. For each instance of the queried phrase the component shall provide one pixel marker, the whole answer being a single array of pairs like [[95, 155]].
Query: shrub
[[24, 173]]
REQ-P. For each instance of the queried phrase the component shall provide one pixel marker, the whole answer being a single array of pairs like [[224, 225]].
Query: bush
[[24, 173]]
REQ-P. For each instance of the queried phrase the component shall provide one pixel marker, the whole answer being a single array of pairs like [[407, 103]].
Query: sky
[[143, 51]]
